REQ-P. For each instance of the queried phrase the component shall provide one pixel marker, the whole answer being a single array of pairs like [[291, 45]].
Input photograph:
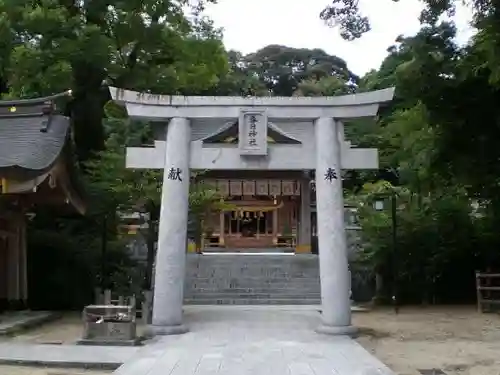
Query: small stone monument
[[109, 325]]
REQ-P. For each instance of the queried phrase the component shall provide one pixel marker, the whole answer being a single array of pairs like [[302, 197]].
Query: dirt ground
[[457, 340]]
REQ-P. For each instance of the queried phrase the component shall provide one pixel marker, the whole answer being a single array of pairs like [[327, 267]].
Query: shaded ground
[[457, 340], [66, 330]]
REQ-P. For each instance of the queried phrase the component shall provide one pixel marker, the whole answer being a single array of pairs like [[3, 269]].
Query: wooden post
[[275, 226], [146, 307], [478, 292], [221, 229], [121, 300], [98, 300], [132, 302], [257, 214], [107, 297]]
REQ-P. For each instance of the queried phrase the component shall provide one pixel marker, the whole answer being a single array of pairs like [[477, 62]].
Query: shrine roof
[[32, 134], [229, 134]]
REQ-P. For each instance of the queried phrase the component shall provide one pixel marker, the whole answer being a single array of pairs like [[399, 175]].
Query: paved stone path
[[253, 340]]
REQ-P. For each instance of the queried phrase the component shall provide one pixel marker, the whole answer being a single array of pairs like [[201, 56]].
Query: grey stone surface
[[236, 279], [103, 325], [334, 272], [172, 237], [293, 116], [253, 340], [373, 97], [250, 279]]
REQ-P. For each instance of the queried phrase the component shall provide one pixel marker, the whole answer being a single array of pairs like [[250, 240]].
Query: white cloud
[[252, 24]]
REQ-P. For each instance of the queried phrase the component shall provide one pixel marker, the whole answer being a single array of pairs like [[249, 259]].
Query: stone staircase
[[252, 279]]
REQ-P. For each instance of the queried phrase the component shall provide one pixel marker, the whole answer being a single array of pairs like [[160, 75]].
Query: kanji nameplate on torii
[[252, 130]]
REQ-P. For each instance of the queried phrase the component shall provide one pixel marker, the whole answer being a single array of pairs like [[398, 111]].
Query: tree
[[324, 86], [52, 45], [348, 17], [116, 189], [446, 189], [281, 69]]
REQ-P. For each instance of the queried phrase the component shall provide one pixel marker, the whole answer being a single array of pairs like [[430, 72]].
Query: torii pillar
[[170, 266]]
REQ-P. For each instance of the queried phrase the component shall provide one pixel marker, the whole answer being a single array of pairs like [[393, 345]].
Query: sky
[[252, 24]]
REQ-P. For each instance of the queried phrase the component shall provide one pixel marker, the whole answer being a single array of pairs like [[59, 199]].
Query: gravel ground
[[457, 340]]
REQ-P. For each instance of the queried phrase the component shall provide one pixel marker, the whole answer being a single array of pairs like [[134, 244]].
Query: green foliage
[[325, 86], [352, 24], [51, 46], [439, 135], [122, 189], [437, 237], [279, 70]]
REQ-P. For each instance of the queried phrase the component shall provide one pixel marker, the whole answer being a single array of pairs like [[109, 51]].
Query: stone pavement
[[257, 340]]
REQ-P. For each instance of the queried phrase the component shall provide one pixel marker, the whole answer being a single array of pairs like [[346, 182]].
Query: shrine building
[[36, 168]]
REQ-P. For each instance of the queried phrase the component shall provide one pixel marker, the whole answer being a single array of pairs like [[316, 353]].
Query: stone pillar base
[[153, 330], [337, 330]]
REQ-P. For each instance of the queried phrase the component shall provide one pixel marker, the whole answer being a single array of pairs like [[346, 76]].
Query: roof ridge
[[40, 100]]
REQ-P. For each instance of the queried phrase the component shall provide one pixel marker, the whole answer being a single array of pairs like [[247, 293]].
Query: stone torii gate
[[317, 143]]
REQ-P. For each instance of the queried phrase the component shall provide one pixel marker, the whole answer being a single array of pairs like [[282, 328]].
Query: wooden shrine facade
[[263, 213], [35, 169]]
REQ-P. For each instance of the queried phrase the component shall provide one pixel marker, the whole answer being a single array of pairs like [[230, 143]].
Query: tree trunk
[[150, 259], [379, 288]]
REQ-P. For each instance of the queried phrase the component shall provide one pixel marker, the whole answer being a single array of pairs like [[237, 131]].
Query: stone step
[[249, 291], [242, 301], [254, 274], [239, 276], [234, 279], [253, 290], [250, 286], [220, 294], [236, 283], [294, 260]]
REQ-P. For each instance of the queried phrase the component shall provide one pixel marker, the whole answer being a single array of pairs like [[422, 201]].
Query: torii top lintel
[[155, 107]]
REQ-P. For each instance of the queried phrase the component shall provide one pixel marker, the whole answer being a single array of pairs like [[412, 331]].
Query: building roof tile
[[32, 136]]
